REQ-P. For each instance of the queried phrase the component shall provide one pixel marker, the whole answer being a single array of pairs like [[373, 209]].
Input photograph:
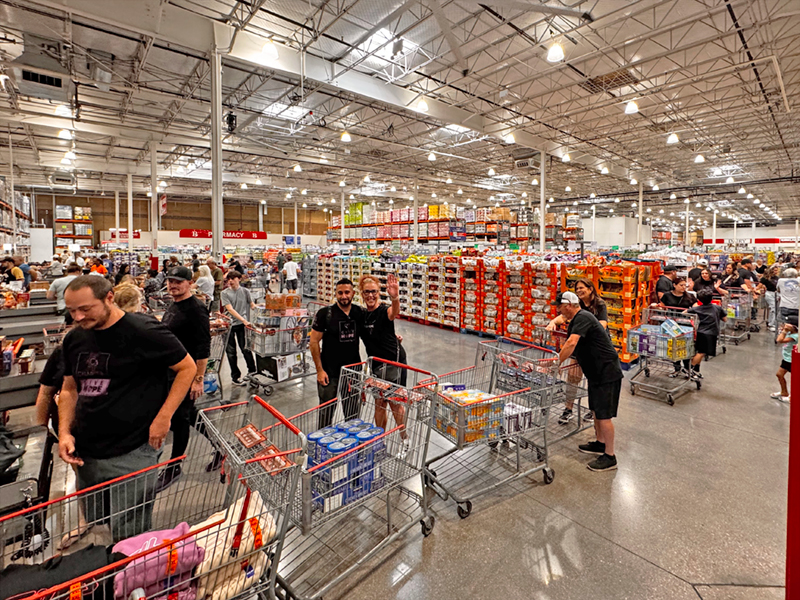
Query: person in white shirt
[[57, 288], [290, 269], [205, 283], [77, 259]]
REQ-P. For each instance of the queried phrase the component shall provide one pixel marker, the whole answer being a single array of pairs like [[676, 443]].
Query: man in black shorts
[[709, 317], [589, 343]]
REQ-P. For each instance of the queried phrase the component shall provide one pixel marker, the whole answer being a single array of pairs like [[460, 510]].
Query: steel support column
[[542, 204], [130, 212], [217, 210], [155, 205]]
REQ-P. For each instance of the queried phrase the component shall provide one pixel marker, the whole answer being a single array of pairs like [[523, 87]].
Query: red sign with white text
[[123, 234], [228, 235]]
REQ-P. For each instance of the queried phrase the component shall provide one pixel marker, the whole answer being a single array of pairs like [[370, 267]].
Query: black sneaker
[[604, 462], [238, 381], [677, 373], [167, 477], [594, 447], [589, 417], [695, 376], [565, 417]]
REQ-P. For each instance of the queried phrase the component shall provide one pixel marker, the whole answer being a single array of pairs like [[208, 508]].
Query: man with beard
[[116, 402], [337, 328], [187, 318]]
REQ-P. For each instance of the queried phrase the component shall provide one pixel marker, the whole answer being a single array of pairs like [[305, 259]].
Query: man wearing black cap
[[664, 283], [589, 343], [187, 318]]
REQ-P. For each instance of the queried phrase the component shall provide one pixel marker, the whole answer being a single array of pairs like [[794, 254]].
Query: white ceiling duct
[[38, 71]]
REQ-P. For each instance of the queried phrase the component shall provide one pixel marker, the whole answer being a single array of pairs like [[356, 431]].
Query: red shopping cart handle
[[277, 415], [401, 365]]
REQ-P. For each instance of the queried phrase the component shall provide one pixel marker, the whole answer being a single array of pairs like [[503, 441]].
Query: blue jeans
[[126, 505]]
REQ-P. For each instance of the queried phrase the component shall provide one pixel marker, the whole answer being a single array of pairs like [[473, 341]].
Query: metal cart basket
[[494, 416], [659, 351], [221, 534], [739, 308], [212, 386], [360, 450]]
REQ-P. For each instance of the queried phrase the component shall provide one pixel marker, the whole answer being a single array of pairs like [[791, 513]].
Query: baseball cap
[[703, 262], [566, 298], [180, 273], [670, 268]]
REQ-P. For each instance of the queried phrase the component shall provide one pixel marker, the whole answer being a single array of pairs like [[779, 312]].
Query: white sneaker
[[785, 399], [775, 395]]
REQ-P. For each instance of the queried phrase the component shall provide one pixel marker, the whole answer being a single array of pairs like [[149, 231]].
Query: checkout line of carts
[[302, 502]]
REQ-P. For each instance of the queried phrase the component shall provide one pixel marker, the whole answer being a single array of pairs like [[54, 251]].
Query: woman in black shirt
[[590, 301], [379, 337], [730, 279], [679, 299], [706, 281]]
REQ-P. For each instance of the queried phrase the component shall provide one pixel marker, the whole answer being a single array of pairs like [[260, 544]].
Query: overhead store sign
[[123, 234], [228, 235]]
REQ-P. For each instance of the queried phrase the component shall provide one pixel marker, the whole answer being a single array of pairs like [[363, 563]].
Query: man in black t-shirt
[[589, 343], [187, 318], [116, 402], [664, 283], [697, 271], [336, 328], [761, 268], [748, 277]]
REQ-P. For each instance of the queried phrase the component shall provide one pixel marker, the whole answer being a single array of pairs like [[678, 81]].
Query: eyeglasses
[[369, 293]]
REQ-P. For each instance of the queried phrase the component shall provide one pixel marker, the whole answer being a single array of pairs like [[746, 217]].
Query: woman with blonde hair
[[128, 298], [380, 340]]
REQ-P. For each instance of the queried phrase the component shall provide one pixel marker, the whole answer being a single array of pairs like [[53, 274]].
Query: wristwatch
[[198, 378]]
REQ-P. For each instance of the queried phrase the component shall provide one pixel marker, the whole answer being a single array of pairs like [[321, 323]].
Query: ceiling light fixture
[[346, 137], [633, 181], [269, 51], [65, 134], [550, 199], [352, 197], [631, 108], [524, 194], [70, 155], [66, 161], [422, 106], [431, 157], [449, 180], [323, 160], [567, 189], [729, 180], [535, 182], [510, 139], [243, 186], [566, 158], [298, 169], [699, 159], [433, 194], [592, 195], [604, 170], [459, 191], [341, 183], [742, 190], [555, 53], [656, 188], [393, 189], [672, 138], [303, 192], [672, 196], [258, 182], [749, 196], [62, 110], [305, 205], [491, 172]]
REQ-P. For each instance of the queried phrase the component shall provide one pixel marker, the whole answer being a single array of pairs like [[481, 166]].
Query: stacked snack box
[[451, 306], [516, 302], [618, 286], [468, 415], [471, 294], [435, 299], [494, 291], [419, 280]]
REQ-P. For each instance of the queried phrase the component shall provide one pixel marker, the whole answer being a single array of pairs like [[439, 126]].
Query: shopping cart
[[203, 537], [54, 337], [494, 416], [280, 354], [659, 350], [159, 302], [739, 308], [220, 326], [573, 393], [351, 501]]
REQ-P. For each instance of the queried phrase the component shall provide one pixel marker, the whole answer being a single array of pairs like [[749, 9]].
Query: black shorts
[[786, 366], [604, 398], [291, 284], [706, 344]]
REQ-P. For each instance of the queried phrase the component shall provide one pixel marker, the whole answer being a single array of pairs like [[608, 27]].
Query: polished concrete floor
[[697, 508]]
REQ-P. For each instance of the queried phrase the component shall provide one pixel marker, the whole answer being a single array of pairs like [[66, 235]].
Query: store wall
[[173, 238], [615, 231], [766, 236], [185, 215]]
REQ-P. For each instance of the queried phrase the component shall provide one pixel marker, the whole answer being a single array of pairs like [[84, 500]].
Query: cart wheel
[[464, 510], [699, 385], [633, 390], [670, 400], [548, 474], [748, 336], [427, 526], [268, 390], [647, 372], [493, 444], [735, 342], [724, 350]]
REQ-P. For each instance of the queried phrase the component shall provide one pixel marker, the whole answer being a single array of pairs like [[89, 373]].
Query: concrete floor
[[697, 508]]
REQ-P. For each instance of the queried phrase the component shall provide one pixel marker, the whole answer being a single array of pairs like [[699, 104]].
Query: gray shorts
[[126, 505]]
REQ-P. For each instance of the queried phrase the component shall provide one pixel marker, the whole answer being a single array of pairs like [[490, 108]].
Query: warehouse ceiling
[[464, 82]]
